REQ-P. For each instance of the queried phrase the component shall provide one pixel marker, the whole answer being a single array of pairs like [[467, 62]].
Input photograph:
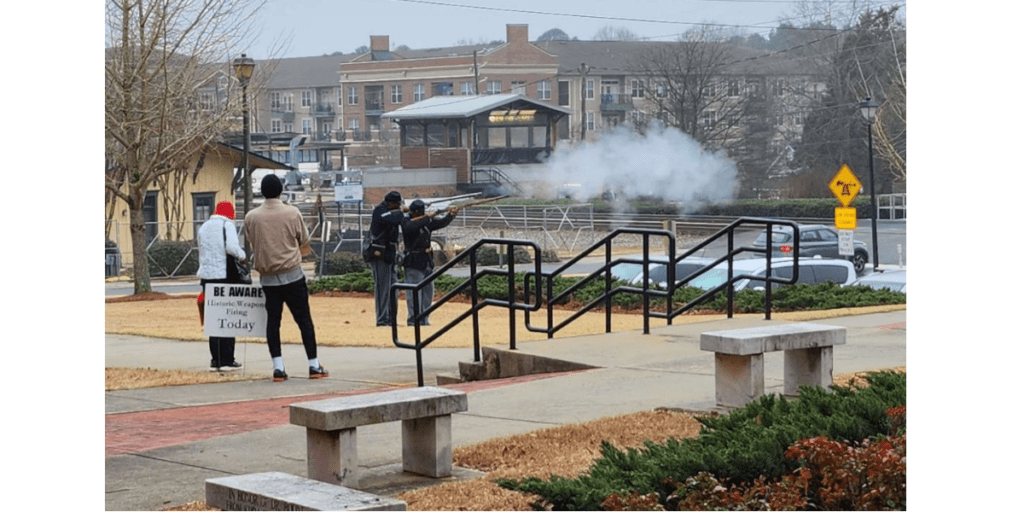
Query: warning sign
[[845, 185], [846, 218], [235, 310]]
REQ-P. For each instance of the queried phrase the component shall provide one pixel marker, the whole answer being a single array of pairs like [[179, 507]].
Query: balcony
[[323, 110], [616, 103], [374, 108]]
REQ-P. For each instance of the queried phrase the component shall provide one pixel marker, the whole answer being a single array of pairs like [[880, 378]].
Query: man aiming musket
[[418, 262]]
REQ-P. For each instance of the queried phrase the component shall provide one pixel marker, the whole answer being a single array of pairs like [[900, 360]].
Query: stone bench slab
[[772, 338], [369, 409], [281, 491]]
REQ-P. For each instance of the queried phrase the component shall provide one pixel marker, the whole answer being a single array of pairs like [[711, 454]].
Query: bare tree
[[689, 88], [159, 56], [610, 33]]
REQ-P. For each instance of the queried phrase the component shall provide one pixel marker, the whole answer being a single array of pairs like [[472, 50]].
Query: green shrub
[[742, 446], [165, 258], [361, 281], [339, 263], [488, 255]]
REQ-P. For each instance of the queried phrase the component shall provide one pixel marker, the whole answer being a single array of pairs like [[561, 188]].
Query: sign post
[[845, 186]]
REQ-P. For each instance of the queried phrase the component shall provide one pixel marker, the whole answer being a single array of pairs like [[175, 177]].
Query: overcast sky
[[318, 27]]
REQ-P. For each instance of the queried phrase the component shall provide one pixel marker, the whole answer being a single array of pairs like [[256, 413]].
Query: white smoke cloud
[[664, 162]]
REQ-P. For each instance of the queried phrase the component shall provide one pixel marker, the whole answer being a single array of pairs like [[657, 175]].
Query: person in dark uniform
[[385, 224], [419, 259]]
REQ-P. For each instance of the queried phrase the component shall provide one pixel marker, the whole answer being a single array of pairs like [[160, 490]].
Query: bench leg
[[331, 456], [427, 446], [738, 379], [807, 367]]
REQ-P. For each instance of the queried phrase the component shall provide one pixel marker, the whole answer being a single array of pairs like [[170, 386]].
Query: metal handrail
[[538, 276], [477, 304]]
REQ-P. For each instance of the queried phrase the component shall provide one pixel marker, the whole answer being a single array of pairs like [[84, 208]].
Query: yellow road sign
[[845, 185], [846, 218]]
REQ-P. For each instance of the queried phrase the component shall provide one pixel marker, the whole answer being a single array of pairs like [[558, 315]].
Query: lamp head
[[869, 108], [243, 69]]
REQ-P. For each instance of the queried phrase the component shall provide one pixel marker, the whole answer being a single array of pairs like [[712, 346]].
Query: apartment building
[[753, 105]]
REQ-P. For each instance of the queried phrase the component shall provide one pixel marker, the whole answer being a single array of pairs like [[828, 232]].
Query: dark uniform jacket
[[384, 229], [417, 240]]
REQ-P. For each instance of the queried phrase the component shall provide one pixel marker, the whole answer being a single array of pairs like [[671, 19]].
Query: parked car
[[895, 280], [815, 240], [657, 273], [812, 271]]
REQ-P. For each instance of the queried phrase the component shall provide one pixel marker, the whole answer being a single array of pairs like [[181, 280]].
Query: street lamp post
[[243, 71], [869, 108]]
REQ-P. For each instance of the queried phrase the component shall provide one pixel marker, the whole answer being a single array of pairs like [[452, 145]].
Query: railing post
[[476, 315], [729, 289], [646, 283], [510, 249], [607, 287]]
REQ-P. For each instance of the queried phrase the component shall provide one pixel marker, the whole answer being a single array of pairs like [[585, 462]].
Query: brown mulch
[[138, 297]]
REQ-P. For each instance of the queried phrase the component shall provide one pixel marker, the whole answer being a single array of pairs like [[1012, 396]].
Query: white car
[[895, 280], [657, 273], [812, 271]]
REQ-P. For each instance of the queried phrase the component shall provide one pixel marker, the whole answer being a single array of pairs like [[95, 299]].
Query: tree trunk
[[140, 260]]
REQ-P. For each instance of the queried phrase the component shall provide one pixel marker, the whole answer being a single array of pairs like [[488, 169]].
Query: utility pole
[[476, 76], [583, 101]]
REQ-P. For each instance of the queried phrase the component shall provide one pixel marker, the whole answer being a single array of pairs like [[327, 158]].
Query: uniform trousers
[[384, 275], [426, 295]]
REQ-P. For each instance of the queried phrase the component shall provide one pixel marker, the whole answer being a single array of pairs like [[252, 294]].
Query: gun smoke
[[663, 162]]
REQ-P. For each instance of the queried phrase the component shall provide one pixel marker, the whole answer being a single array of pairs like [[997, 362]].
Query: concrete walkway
[[163, 443]]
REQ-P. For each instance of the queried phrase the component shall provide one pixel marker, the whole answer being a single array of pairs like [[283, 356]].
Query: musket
[[471, 203]]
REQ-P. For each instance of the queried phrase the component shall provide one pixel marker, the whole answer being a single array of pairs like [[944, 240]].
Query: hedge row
[[746, 445]]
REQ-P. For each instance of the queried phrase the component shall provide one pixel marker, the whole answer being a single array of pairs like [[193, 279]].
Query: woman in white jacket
[[217, 239]]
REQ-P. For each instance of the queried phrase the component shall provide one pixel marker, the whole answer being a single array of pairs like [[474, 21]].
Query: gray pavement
[[635, 372]]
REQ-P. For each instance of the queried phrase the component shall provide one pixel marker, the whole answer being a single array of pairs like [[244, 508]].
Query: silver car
[[812, 271], [895, 280], [815, 240]]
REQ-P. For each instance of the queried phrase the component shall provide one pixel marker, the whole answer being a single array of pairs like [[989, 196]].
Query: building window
[[590, 89], [288, 102], [518, 87], [275, 101], [307, 127], [353, 95], [637, 88], [275, 126], [780, 87], [443, 88], [563, 93], [353, 124], [202, 207], [494, 87], [734, 88], [639, 118], [289, 128], [467, 88], [206, 101], [396, 94], [544, 90], [709, 118], [709, 91], [661, 90], [419, 93], [590, 121], [307, 98]]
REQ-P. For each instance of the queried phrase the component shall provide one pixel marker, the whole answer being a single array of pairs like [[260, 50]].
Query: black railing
[[645, 290], [469, 254]]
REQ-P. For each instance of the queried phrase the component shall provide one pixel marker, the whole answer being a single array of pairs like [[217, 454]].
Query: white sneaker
[[235, 365]]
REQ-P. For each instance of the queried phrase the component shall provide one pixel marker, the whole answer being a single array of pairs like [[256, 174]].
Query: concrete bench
[[739, 358], [331, 454], [281, 491]]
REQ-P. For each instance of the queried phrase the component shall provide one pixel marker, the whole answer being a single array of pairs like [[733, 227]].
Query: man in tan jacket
[[278, 239]]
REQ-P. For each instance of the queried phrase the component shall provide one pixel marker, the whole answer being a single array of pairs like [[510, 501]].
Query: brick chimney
[[380, 44], [517, 34]]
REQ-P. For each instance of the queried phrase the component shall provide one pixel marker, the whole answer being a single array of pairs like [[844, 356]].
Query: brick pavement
[[148, 430]]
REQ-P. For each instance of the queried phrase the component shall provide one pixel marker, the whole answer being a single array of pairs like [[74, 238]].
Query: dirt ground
[[348, 320]]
